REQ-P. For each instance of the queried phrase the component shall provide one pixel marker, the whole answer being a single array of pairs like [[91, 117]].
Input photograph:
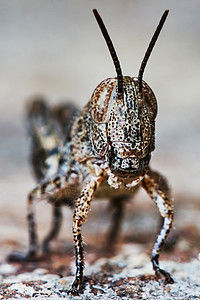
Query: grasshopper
[[107, 151]]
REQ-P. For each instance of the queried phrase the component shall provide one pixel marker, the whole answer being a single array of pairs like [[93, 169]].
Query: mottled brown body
[[107, 151]]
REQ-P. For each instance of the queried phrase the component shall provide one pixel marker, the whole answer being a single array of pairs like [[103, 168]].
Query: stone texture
[[124, 276]]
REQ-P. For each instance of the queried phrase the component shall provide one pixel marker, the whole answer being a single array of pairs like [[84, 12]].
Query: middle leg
[[48, 190], [56, 225], [117, 206]]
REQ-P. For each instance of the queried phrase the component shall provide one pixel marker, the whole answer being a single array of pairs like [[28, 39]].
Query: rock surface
[[127, 275]]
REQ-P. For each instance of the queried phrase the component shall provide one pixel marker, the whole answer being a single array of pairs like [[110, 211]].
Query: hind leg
[[156, 186]]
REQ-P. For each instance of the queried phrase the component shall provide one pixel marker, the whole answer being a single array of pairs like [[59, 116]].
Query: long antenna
[[112, 52], [149, 50]]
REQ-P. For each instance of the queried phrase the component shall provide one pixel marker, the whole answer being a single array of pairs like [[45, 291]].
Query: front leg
[[80, 216], [156, 186]]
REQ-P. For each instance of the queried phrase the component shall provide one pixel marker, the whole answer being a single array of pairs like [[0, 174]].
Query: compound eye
[[151, 103], [102, 99], [150, 100]]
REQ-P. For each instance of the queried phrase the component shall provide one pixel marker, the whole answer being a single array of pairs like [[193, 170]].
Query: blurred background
[[55, 48]]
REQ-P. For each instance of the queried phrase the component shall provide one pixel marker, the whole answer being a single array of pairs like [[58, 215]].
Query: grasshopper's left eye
[[102, 100], [150, 101]]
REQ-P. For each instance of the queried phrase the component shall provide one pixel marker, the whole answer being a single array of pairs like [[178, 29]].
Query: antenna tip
[[165, 14], [95, 12]]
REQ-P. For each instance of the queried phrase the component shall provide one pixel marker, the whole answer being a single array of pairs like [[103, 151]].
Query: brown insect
[[107, 149]]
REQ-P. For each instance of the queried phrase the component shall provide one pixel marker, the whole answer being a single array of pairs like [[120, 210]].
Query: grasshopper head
[[124, 128], [123, 112]]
